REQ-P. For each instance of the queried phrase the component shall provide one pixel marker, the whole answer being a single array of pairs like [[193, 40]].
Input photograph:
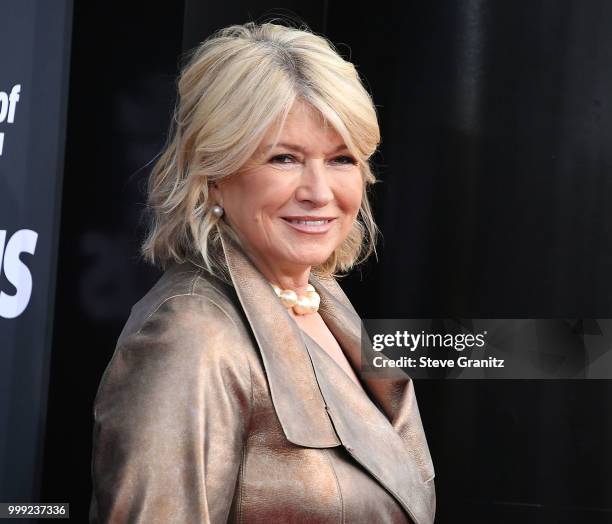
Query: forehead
[[304, 124]]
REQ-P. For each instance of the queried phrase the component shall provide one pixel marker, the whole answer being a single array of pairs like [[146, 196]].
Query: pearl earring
[[217, 211]]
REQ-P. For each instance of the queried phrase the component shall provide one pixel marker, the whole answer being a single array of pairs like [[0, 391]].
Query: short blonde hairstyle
[[234, 86]]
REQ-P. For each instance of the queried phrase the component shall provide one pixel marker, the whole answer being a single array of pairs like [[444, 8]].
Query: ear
[[215, 191]]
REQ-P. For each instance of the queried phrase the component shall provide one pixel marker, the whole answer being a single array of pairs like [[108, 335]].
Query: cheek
[[255, 204], [351, 195], [269, 196], [242, 195]]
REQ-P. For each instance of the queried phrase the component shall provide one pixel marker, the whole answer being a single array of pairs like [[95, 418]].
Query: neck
[[295, 277]]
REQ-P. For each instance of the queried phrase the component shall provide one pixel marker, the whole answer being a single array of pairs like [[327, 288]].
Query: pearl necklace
[[305, 304]]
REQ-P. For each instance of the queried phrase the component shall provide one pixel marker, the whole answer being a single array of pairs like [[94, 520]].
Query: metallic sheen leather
[[216, 407]]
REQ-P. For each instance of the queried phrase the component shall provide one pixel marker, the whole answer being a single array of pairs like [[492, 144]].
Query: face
[[294, 204]]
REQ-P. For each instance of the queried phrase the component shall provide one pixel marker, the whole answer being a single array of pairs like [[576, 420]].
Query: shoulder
[[184, 294], [186, 328]]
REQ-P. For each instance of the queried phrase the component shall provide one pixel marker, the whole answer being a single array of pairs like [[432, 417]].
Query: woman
[[235, 392]]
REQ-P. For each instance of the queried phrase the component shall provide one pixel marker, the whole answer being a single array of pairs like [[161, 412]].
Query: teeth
[[310, 222]]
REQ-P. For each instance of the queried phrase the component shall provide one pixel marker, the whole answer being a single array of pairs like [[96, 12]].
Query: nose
[[314, 184]]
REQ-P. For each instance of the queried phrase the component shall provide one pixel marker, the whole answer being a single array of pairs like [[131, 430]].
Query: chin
[[311, 259]]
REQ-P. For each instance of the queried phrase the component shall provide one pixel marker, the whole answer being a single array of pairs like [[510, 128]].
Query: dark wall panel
[[123, 69], [34, 58]]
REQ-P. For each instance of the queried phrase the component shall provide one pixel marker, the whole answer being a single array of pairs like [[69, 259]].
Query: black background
[[494, 203]]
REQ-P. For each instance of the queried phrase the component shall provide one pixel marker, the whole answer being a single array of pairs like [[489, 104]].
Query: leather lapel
[[373, 437], [296, 396], [387, 384]]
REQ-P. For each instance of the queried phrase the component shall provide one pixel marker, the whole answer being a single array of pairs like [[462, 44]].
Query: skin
[[281, 182]]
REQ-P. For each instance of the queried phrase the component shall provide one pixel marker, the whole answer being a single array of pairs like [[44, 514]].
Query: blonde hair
[[237, 83]]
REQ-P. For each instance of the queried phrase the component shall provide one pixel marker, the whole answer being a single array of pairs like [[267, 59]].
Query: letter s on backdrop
[[17, 273]]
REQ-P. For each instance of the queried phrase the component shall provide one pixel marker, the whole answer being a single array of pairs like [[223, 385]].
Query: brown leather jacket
[[216, 407]]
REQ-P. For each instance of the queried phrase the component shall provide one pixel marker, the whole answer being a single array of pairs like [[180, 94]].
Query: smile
[[310, 225]]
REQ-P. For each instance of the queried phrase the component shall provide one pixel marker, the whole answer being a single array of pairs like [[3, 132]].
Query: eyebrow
[[295, 147]]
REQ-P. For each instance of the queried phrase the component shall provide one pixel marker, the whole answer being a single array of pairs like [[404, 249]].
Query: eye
[[283, 159], [345, 160]]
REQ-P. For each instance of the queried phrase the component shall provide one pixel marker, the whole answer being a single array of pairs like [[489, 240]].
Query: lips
[[310, 224]]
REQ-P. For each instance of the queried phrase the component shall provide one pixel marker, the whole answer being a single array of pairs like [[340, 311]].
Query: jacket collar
[[305, 384], [297, 399]]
